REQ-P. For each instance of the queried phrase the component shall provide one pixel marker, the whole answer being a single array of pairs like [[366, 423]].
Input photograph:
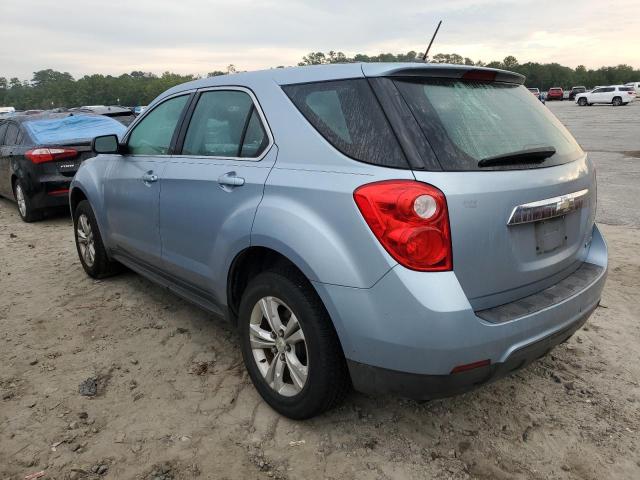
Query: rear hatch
[[520, 191]]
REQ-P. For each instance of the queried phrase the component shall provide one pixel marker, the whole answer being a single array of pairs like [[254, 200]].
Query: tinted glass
[[11, 136], [3, 129], [625, 89], [255, 138], [468, 121], [608, 89], [220, 122], [598, 90], [152, 136], [348, 115]]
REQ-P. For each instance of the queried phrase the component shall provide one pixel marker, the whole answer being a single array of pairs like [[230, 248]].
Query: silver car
[[419, 229]]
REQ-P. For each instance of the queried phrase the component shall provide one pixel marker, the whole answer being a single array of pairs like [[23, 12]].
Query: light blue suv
[[416, 229]]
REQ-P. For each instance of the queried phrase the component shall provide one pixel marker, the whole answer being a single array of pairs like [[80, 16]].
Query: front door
[[210, 191], [5, 162], [132, 192]]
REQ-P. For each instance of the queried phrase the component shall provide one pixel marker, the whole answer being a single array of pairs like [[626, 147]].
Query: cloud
[[197, 36]]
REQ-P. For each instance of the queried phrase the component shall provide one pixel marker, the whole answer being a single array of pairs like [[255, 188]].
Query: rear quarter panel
[[308, 212]]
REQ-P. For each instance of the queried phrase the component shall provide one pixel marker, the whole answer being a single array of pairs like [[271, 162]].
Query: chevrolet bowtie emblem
[[548, 208]]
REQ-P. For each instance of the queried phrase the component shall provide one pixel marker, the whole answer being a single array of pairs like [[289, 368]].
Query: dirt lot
[[173, 400]]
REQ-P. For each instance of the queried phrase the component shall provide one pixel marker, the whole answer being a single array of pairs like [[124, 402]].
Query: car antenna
[[424, 57]]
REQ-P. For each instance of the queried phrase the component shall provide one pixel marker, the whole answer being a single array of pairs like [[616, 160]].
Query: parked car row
[[613, 94], [399, 228], [124, 115]]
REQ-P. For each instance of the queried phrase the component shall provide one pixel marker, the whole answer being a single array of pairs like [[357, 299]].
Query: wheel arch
[[256, 259], [248, 263], [75, 197]]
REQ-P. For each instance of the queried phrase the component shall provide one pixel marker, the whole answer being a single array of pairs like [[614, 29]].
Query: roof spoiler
[[434, 70]]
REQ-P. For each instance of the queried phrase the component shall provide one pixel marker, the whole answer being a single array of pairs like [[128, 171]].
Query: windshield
[[467, 121], [72, 128]]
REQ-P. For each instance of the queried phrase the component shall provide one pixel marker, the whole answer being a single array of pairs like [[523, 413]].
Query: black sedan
[[39, 155]]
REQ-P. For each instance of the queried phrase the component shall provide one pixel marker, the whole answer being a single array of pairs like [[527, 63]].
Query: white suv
[[614, 94]]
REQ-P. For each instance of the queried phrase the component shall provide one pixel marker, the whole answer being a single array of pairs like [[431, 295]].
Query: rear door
[[210, 190], [132, 191], [502, 252], [607, 94]]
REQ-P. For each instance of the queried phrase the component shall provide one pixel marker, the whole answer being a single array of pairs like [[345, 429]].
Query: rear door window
[[225, 123], [255, 139], [467, 121], [3, 130], [347, 114], [152, 136], [11, 137]]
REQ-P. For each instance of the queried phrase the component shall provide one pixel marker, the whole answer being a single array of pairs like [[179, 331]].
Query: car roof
[[318, 73], [22, 118]]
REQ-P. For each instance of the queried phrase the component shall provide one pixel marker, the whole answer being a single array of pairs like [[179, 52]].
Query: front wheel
[[582, 102], [289, 346], [93, 255]]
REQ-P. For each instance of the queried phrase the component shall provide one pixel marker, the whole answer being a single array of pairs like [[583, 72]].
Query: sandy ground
[[173, 400]]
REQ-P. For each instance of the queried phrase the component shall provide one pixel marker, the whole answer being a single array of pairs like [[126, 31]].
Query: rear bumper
[[376, 380], [409, 331], [50, 191]]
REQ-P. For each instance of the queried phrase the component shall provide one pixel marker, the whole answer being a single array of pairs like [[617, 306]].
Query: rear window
[[555, 89], [348, 115], [467, 121], [72, 128], [625, 89]]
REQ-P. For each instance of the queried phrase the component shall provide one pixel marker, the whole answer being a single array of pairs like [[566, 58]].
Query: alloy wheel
[[22, 203], [86, 243], [279, 347]]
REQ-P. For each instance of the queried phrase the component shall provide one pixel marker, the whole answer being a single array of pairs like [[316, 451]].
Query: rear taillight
[[41, 155], [410, 220]]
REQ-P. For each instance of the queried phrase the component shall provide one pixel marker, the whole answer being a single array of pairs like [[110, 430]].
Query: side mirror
[[105, 144]]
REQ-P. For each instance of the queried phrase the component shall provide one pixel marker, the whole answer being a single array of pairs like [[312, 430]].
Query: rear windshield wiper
[[530, 155]]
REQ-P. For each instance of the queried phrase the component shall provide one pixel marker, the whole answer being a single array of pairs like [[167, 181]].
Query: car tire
[[93, 256], [616, 102], [25, 206], [582, 102], [298, 377]]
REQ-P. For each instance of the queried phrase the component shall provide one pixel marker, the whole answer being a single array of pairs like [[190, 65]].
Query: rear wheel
[[25, 206], [91, 251], [617, 101], [289, 346], [582, 102]]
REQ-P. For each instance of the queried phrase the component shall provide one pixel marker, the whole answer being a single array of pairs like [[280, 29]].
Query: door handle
[[230, 180], [149, 177]]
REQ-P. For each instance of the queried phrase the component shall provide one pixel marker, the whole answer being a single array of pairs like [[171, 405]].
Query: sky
[[199, 36]]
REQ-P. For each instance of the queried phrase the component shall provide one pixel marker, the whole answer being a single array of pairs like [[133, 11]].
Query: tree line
[[53, 89]]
